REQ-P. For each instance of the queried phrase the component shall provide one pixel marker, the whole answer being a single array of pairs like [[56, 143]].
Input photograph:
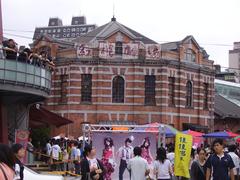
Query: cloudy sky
[[215, 24]]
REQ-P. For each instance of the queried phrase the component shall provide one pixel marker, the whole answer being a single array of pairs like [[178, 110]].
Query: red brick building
[[115, 74]]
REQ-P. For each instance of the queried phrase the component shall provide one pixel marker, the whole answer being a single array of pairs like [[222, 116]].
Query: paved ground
[[72, 178]]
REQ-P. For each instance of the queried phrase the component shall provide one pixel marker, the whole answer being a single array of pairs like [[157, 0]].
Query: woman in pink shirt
[[7, 162]]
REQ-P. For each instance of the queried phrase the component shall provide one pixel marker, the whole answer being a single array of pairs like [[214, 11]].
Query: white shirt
[[48, 147], [65, 155], [93, 163], [17, 171], [55, 151], [75, 153], [171, 157], [138, 167], [78, 152], [163, 169], [236, 162], [126, 153]]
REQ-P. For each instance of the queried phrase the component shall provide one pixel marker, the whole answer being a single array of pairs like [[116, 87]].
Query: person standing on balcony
[[10, 48]]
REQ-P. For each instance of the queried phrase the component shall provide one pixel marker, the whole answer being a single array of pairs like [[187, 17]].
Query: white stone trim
[[133, 112]]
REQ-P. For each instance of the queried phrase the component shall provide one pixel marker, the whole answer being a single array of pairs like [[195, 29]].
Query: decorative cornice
[[133, 62]]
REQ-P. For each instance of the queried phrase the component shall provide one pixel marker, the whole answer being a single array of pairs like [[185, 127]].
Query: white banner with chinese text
[[153, 51], [130, 51], [83, 51], [106, 50]]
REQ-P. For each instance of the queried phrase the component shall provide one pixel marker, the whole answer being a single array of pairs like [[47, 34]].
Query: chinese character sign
[[106, 50], [130, 51], [83, 51], [183, 147], [153, 51]]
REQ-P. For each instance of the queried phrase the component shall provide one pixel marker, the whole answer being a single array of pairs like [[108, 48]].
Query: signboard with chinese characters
[[83, 51], [130, 51], [183, 147], [106, 50], [153, 51]]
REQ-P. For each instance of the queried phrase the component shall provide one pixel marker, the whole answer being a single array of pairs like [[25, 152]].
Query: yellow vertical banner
[[183, 147]]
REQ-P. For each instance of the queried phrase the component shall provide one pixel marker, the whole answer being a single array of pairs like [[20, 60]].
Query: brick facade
[[170, 64]]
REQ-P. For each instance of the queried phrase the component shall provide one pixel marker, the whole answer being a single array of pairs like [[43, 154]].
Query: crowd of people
[[219, 162], [11, 51]]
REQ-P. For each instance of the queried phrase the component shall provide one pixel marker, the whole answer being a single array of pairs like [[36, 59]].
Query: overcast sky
[[215, 24]]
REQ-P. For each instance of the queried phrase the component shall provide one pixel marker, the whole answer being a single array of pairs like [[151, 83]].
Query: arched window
[[171, 91], [118, 90], [189, 94], [190, 55], [118, 48], [86, 88], [150, 84]]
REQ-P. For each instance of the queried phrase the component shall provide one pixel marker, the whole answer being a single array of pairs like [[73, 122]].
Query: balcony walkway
[[23, 77]]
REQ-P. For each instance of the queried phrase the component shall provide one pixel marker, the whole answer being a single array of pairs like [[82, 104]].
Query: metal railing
[[24, 74]]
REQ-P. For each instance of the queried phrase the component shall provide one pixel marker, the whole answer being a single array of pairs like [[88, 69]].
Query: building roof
[[40, 116], [172, 46], [109, 29], [227, 83], [48, 38], [226, 108]]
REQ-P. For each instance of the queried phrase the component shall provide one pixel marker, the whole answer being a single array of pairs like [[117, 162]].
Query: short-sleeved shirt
[[163, 169], [236, 161], [126, 153], [55, 151], [75, 153], [220, 166], [138, 167]]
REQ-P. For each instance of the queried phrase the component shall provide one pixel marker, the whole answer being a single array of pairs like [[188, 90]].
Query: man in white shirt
[[55, 150], [235, 159], [48, 147], [125, 153], [138, 166]]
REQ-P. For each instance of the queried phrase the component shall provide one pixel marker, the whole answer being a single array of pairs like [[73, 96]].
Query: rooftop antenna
[[113, 9], [113, 18]]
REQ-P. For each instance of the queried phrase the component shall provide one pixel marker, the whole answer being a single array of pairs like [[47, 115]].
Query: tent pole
[[164, 136], [83, 129], [159, 136]]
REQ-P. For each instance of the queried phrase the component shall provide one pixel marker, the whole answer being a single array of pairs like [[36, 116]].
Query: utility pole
[[1, 27]]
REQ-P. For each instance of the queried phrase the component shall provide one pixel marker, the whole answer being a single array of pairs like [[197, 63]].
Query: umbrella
[[154, 128], [193, 133], [197, 137], [237, 138], [221, 134]]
